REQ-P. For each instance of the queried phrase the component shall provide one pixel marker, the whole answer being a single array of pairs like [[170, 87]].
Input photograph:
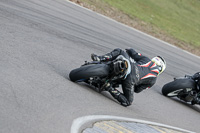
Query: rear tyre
[[85, 72], [173, 88]]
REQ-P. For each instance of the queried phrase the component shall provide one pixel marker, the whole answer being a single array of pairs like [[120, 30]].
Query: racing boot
[[109, 56], [106, 57]]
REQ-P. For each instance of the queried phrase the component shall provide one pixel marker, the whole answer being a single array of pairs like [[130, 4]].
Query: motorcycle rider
[[196, 78], [143, 74]]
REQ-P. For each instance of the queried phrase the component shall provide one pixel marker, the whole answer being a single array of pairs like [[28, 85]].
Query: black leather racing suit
[[143, 75]]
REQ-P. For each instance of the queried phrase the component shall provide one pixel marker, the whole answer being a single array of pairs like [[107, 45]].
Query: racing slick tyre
[[173, 88], [87, 71]]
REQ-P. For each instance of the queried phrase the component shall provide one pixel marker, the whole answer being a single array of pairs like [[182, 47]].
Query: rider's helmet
[[160, 62]]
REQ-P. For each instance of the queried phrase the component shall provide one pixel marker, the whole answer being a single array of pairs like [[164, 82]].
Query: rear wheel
[[85, 72], [173, 88]]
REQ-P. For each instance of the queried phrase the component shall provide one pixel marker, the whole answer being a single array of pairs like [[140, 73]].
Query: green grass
[[178, 18]]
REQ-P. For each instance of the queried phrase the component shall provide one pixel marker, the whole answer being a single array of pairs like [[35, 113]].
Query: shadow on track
[[89, 88], [194, 107]]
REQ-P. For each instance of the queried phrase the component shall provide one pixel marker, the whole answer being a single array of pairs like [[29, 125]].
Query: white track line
[[77, 123]]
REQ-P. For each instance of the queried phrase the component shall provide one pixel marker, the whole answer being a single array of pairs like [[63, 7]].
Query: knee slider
[[123, 100]]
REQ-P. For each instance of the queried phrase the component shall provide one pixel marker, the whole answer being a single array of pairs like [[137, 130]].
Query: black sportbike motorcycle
[[102, 74], [185, 88]]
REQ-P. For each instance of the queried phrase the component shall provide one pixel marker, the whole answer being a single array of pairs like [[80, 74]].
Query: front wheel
[[173, 88], [85, 72]]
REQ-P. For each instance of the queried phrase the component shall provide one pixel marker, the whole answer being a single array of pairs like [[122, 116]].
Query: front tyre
[[173, 88], [87, 71]]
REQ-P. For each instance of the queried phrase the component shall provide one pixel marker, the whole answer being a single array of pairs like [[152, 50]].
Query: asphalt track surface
[[41, 41]]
